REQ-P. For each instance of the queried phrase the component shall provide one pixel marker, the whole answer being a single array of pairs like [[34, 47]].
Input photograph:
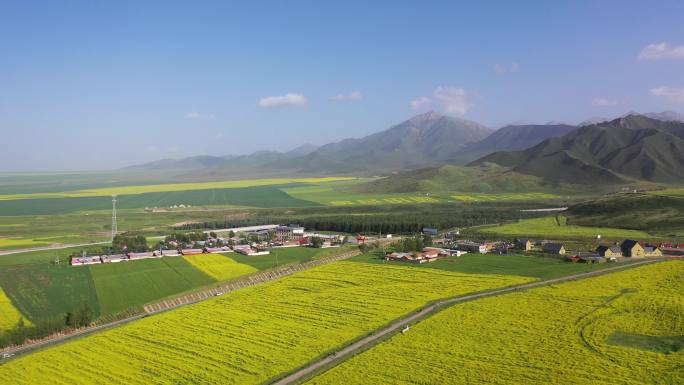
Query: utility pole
[[114, 226]]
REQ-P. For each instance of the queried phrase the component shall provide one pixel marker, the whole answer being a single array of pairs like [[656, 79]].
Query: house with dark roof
[[652, 251], [524, 244], [632, 248], [613, 251], [554, 248]]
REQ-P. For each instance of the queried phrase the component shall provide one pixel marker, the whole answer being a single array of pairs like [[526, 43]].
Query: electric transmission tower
[[114, 229]]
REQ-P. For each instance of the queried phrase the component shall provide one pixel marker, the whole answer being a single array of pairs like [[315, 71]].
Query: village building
[[79, 261], [524, 244], [474, 247], [632, 248], [114, 258], [430, 231], [652, 251], [554, 248], [613, 251], [289, 233]]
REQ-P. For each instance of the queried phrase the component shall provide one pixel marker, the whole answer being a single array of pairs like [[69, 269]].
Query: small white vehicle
[[220, 293]]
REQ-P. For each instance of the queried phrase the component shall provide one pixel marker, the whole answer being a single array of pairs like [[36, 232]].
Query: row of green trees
[[389, 221], [187, 237], [42, 328], [415, 243]]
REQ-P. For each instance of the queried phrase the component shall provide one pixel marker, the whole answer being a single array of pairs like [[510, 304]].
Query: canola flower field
[[562, 334], [9, 315], [142, 189], [218, 266], [251, 335]]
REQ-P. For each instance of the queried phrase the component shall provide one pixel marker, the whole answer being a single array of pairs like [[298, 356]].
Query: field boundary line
[[324, 363]]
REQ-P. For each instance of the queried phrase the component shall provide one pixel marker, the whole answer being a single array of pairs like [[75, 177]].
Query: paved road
[[41, 248], [399, 324]]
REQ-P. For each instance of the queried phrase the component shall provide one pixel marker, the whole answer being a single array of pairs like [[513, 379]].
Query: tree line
[[400, 222], [42, 328]]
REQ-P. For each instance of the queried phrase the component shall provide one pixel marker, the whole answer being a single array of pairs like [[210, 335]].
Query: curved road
[[344, 353]]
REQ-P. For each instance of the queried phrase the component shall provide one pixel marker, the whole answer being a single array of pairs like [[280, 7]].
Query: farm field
[[507, 264], [141, 189], [13, 243], [329, 195], [261, 196], [285, 255], [223, 340], [558, 334], [540, 196], [9, 315], [44, 291], [219, 267], [122, 286], [556, 227]]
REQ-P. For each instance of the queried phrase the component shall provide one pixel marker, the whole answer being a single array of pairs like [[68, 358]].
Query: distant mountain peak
[[428, 117]]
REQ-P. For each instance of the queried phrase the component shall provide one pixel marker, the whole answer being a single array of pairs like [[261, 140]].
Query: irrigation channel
[[322, 364]]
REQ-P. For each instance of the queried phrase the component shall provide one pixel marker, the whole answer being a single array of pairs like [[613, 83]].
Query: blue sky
[[97, 85]]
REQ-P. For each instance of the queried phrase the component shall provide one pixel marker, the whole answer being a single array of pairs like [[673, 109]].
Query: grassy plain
[[226, 340], [219, 267], [556, 227], [9, 315], [553, 335]]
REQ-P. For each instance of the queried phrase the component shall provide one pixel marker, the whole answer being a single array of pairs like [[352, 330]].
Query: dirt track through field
[[337, 357]]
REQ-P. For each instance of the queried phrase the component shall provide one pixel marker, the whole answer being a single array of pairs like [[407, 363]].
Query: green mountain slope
[[630, 148], [449, 178]]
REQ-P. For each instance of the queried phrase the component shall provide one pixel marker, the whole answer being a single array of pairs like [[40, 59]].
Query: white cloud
[[660, 51], [502, 69], [673, 94], [287, 100], [421, 102], [348, 97], [453, 100], [603, 102], [197, 116]]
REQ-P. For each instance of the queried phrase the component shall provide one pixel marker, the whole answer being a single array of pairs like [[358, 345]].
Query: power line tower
[[114, 227]]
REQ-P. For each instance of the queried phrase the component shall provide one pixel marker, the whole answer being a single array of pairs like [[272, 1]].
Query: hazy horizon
[[103, 86]]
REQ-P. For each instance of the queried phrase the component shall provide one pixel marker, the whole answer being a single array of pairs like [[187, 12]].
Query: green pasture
[[556, 227]]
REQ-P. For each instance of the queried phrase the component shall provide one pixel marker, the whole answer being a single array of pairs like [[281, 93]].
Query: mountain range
[[622, 150], [644, 147]]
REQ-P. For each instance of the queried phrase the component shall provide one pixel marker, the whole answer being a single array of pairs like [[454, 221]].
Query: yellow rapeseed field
[[251, 335], [219, 267], [552, 335], [9, 315], [132, 190]]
